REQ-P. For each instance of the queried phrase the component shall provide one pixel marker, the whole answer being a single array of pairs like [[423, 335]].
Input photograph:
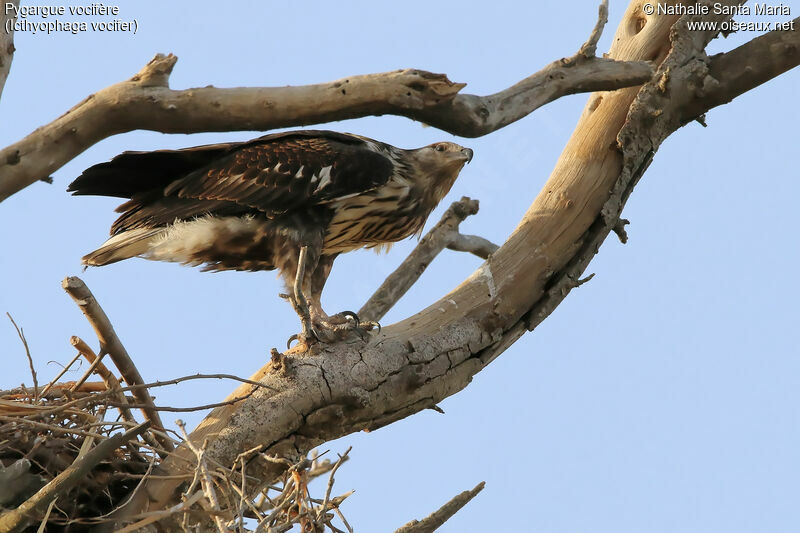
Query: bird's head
[[438, 165], [443, 155]]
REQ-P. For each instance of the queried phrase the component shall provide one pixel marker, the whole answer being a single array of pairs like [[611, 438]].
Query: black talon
[[351, 315], [294, 337]]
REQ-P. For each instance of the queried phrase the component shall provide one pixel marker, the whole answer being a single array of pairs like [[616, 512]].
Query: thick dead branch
[[434, 521], [32, 509], [146, 102], [6, 43], [110, 344], [744, 68], [443, 235]]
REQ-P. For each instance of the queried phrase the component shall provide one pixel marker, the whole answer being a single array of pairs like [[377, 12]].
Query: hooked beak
[[467, 153]]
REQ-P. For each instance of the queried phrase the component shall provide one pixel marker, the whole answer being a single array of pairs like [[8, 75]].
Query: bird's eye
[[439, 148]]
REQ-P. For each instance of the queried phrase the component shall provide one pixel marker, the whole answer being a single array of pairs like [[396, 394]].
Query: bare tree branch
[[473, 244], [441, 236], [746, 67], [589, 48], [18, 519], [146, 102], [434, 521], [6, 42], [110, 344]]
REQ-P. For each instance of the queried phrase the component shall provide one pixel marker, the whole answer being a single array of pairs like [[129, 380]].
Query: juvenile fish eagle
[[288, 201]]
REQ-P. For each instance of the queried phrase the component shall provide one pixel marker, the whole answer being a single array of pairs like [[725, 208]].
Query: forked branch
[[443, 235]]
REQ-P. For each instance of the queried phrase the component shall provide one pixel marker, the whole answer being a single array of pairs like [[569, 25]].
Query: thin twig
[[206, 482], [155, 516], [435, 520], [93, 364], [324, 508], [28, 354], [43, 525], [60, 374], [49, 427], [185, 409]]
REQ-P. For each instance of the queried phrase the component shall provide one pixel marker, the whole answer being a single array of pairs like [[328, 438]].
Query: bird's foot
[[341, 326], [338, 327]]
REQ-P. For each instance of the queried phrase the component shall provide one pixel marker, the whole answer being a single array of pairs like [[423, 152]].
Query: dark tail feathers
[[134, 172]]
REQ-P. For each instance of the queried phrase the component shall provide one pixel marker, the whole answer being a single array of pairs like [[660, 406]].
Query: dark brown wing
[[277, 175], [272, 175]]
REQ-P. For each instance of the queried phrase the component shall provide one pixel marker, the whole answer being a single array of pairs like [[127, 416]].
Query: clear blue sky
[[661, 396]]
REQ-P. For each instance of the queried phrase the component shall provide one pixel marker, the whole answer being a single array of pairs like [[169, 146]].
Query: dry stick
[[110, 380], [146, 102], [324, 508], [344, 520], [60, 374], [113, 385], [28, 354], [187, 409], [181, 379], [437, 239], [30, 510], [43, 525], [155, 516], [437, 518], [49, 427], [206, 482], [98, 396], [56, 390], [110, 343], [93, 364]]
